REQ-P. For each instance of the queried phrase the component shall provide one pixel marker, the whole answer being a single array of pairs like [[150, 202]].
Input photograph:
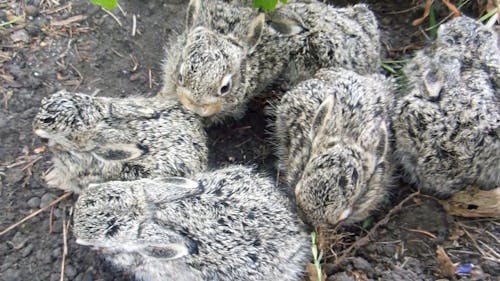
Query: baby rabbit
[[96, 139], [228, 224], [228, 54], [333, 144], [447, 124]]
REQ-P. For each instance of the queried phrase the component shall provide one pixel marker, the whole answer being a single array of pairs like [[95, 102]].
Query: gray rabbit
[[332, 134], [96, 139], [228, 54], [447, 123], [228, 224]]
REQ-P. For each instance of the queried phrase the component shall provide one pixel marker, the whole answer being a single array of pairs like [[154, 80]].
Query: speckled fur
[[447, 123], [228, 224], [295, 41], [96, 139], [333, 144]]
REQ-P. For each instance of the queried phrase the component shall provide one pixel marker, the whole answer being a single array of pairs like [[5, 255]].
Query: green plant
[[316, 255], [10, 22], [106, 4], [267, 5], [489, 14], [432, 23]]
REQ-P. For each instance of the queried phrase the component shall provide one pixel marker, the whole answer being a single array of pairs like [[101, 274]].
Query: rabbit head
[[341, 179], [62, 115], [467, 35], [209, 76]]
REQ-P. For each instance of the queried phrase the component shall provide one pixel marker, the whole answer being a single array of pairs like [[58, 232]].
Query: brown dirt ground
[[74, 45]]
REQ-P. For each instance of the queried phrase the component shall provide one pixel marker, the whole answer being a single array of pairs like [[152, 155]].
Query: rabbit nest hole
[[74, 45]]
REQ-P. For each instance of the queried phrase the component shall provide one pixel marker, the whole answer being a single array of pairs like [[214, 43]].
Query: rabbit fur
[[229, 54], [227, 224], [447, 122], [96, 139], [332, 135]]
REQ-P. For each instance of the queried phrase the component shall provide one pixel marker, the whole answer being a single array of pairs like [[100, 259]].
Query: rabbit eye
[[179, 78], [48, 120], [225, 85]]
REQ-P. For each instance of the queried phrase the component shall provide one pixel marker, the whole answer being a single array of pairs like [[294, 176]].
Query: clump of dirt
[[74, 45]]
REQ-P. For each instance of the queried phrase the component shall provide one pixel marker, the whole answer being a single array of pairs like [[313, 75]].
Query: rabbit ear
[[375, 138], [161, 242], [121, 151], [192, 13], [433, 81], [172, 189], [288, 23], [255, 30], [322, 116]]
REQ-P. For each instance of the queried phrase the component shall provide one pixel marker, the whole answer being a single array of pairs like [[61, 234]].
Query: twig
[[366, 239], [117, 53], [427, 233], [79, 74], [31, 163], [472, 240], [134, 25], [65, 243], [150, 79], [34, 214], [113, 16], [68, 20], [491, 250]]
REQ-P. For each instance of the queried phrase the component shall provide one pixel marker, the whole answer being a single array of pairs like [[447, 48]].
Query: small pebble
[[20, 35], [34, 202], [362, 264], [330, 268], [18, 241], [10, 275], [57, 226], [70, 271], [26, 251], [87, 276], [14, 176], [31, 10], [341, 276], [47, 198]]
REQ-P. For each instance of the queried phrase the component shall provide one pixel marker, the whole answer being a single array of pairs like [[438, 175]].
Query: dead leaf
[[312, 273], [474, 203], [445, 265], [39, 149]]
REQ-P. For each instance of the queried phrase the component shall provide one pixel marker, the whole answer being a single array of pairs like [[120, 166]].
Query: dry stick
[[134, 25], [150, 79], [34, 214], [424, 232], [65, 243], [365, 239]]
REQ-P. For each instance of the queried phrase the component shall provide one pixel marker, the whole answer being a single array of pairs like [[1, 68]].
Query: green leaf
[[366, 223], [266, 5], [106, 4]]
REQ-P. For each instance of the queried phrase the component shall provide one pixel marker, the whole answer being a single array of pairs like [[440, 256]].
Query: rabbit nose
[[204, 110]]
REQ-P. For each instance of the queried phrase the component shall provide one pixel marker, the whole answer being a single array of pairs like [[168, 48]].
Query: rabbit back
[[229, 224]]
